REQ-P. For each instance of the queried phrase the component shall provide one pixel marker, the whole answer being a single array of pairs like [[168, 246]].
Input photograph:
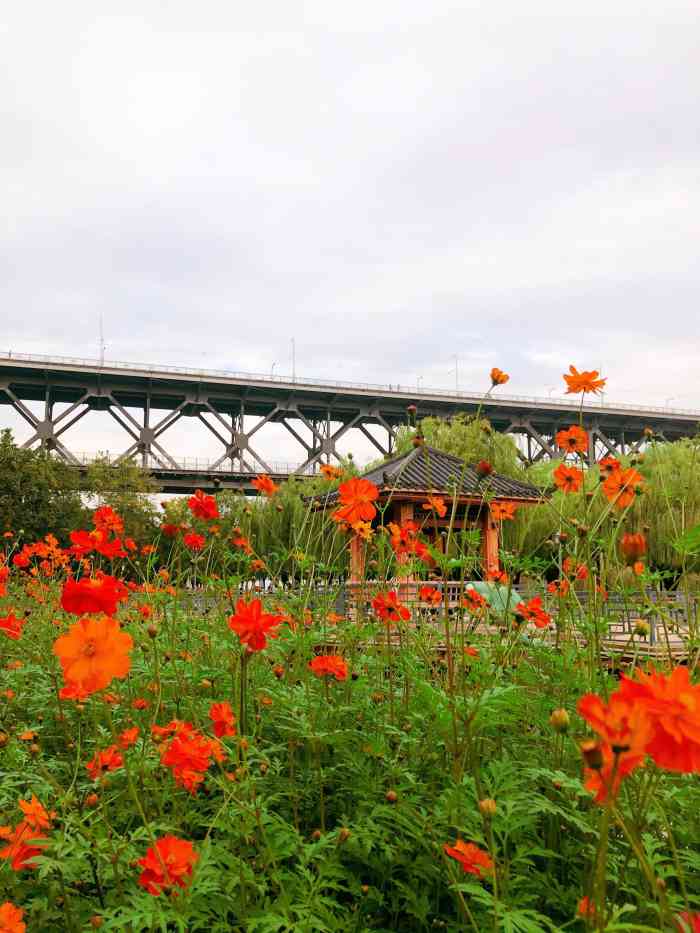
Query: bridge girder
[[235, 410]]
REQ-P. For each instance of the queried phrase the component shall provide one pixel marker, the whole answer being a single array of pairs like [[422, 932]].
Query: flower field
[[210, 730]]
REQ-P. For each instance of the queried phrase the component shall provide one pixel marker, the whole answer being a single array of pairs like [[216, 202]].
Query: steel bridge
[[236, 407]]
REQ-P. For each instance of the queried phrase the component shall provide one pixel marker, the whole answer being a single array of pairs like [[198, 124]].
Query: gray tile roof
[[426, 469]]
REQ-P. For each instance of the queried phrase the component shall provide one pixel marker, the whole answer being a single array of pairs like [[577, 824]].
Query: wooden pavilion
[[405, 482]]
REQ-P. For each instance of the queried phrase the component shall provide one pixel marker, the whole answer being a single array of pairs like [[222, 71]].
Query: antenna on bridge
[[102, 342]]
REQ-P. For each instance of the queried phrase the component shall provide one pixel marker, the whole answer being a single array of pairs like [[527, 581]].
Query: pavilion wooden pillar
[[489, 544], [357, 559]]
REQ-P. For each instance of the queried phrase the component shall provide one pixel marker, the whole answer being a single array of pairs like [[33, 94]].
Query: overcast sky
[[390, 183]]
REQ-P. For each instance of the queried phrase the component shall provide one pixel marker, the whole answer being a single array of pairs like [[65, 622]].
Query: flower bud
[[488, 807], [316, 835], [592, 754], [559, 720], [92, 800], [641, 628], [391, 796], [344, 834], [152, 631]]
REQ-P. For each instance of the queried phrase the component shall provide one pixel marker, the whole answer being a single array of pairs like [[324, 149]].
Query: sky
[[392, 185]]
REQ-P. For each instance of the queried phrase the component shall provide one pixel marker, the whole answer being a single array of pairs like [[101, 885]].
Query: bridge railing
[[409, 392], [195, 464]]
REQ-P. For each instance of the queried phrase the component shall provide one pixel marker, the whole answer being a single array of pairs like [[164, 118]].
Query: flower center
[[90, 649]]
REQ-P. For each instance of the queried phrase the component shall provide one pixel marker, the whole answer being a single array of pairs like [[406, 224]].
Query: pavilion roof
[[425, 469]]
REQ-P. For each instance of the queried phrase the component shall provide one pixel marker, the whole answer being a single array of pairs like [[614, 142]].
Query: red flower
[[21, 559], [388, 607], [532, 611], [583, 382], [83, 542], [223, 719], [633, 546], [473, 860], [203, 506], [11, 919], [169, 530], [194, 542], [252, 625], [687, 923], [110, 549], [357, 498], [428, 594], [329, 665], [167, 865], [473, 601], [128, 737], [672, 704], [568, 479], [483, 468], [101, 762], [11, 626], [573, 440], [91, 595], [265, 485]]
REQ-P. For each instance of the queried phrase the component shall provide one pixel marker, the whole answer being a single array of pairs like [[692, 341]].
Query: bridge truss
[[237, 408]]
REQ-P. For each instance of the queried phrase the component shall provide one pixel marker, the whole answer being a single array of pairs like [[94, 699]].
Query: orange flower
[[473, 601], [498, 576], [608, 465], [388, 608], [620, 486], [88, 595], [363, 530], [638, 567], [573, 440], [498, 377], [559, 587], [128, 737], [532, 611], [92, 653], [334, 618], [223, 719], [586, 908], [4, 574], [331, 472], [357, 497], [101, 762], [672, 704], [329, 665], [473, 860], [568, 479], [188, 754], [428, 594], [167, 865], [106, 519], [203, 506], [583, 382], [633, 546], [265, 485], [404, 541], [241, 542], [35, 816], [471, 651], [11, 626], [624, 726], [11, 918], [503, 511], [252, 625], [437, 505]]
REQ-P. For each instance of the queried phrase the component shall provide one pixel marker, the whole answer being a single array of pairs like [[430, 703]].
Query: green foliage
[[128, 489], [38, 493], [471, 438]]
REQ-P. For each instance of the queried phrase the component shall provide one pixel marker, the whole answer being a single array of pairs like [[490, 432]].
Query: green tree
[[38, 493]]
